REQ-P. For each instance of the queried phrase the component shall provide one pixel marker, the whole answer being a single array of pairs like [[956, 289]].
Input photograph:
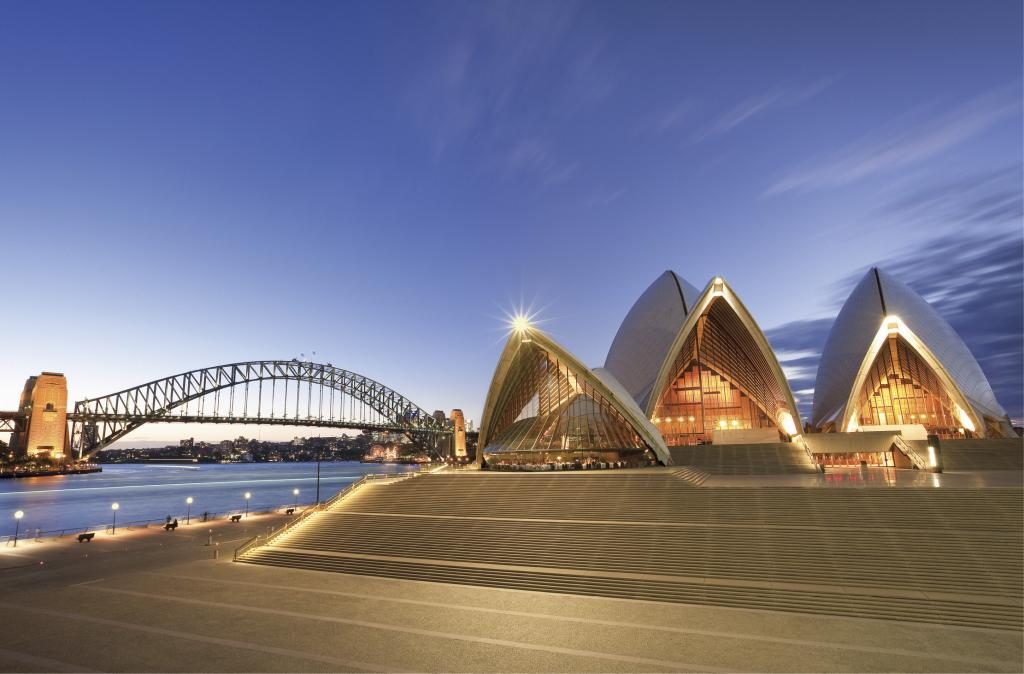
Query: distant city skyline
[[189, 185]]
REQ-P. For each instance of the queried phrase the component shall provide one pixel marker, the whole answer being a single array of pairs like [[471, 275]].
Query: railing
[[277, 532], [920, 462], [810, 454], [28, 533]]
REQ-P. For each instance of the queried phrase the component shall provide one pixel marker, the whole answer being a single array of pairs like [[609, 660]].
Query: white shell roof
[[876, 296], [603, 381], [647, 333]]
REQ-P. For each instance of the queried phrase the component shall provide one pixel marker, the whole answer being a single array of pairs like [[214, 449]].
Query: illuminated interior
[[722, 381], [546, 407], [901, 388]]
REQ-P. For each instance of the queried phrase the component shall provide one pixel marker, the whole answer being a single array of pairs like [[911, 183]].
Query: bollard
[[209, 541], [216, 551]]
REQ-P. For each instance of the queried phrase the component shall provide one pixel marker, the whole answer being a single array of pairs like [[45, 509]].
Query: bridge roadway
[[156, 601]]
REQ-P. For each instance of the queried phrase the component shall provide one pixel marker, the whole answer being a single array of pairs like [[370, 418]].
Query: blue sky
[[193, 183]]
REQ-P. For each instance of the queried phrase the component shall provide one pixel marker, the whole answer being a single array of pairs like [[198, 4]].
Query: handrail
[[810, 454], [320, 507], [911, 453]]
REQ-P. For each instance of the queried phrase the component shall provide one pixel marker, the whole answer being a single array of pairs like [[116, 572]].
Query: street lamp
[[114, 507], [188, 515], [295, 493], [247, 497], [17, 525]]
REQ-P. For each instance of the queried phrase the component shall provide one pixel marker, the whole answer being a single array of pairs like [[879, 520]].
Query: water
[[149, 492]]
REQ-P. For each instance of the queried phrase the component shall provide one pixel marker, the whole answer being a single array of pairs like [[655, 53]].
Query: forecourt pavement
[[158, 601]]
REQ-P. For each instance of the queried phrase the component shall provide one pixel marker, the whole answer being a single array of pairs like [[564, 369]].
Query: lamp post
[[113, 529], [295, 493], [188, 515], [247, 497], [17, 525], [318, 476]]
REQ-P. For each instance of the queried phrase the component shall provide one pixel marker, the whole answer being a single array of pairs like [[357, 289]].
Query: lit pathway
[[165, 605]]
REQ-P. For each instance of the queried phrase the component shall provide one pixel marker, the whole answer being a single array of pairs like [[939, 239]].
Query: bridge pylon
[[41, 426]]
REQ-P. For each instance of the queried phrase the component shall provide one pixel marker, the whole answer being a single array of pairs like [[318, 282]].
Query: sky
[[195, 183]]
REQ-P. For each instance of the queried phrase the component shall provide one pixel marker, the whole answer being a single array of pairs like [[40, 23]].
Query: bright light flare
[[521, 321]]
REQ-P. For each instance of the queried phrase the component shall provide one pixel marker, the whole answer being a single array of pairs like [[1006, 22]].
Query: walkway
[[209, 616]]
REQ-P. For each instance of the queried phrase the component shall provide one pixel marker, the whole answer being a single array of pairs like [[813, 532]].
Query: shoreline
[[103, 531], [17, 474]]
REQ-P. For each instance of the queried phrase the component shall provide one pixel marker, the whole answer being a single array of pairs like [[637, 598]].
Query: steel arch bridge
[[271, 392]]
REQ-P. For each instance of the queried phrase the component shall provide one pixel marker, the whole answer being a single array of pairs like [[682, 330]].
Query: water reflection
[[146, 492]]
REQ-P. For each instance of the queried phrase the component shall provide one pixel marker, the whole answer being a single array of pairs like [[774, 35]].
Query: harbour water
[[146, 492]]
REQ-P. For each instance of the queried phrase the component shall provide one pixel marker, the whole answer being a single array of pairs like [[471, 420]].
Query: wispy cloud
[[989, 197], [480, 93], [666, 118], [915, 141], [754, 106], [604, 198], [798, 347], [534, 157]]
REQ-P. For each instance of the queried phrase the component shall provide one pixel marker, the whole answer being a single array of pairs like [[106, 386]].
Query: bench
[[290, 511], [236, 518], [86, 537], [170, 526]]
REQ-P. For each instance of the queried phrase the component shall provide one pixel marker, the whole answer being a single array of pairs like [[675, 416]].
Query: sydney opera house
[[692, 367]]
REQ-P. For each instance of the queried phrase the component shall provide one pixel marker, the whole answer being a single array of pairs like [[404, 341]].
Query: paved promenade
[[157, 601]]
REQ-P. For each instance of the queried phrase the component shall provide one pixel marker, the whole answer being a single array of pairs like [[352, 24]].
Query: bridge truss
[[11, 421], [271, 392]]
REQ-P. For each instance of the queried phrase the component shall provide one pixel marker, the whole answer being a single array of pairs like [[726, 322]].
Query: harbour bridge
[[265, 392]]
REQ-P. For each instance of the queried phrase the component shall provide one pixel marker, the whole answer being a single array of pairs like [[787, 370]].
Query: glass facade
[[891, 459], [546, 407], [721, 381], [901, 389], [879, 303]]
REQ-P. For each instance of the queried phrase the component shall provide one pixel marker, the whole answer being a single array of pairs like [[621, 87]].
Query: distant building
[[44, 400], [458, 434]]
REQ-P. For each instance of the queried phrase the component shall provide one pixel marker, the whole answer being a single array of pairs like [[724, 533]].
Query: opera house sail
[[546, 407], [891, 360], [714, 379], [647, 333]]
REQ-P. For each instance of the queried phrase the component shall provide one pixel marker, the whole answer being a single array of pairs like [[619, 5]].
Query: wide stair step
[[948, 555], [823, 603], [983, 454], [774, 458], [691, 475]]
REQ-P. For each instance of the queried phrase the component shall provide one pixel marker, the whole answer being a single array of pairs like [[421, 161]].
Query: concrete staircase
[[691, 475], [951, 556], [776, 458], [996, 454]]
